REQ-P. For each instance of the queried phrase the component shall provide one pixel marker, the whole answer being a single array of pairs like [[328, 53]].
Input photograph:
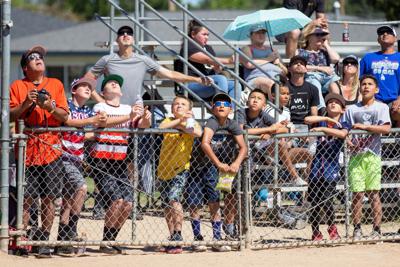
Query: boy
[[365, 162], [109, 154], [325, 165], [261, 123], [174, 164], [218, 148], [74, 188]]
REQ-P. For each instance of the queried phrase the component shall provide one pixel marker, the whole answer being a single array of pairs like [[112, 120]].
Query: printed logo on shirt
[[384, 67]]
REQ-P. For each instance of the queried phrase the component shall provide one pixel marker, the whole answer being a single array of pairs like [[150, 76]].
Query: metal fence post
[[6, 25], [346, 188], [247, 196], [135, 185], [20, 174]]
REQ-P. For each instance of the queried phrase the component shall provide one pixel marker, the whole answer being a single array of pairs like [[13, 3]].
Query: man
[[384, 65], [304, 97], [40, 101], [133, 67], [307, 7]]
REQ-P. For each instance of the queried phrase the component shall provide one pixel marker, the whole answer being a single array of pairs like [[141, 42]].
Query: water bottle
[[82, 249], [346, 33], [139, 101]]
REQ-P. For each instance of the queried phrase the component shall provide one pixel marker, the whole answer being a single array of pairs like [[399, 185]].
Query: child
[[365, 162], [261, 123], [325, 165], [174, 164], [218, 148], [74, 188], [109, 154]]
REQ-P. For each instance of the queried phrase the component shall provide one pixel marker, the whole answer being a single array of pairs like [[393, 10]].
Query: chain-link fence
[[157, 188]]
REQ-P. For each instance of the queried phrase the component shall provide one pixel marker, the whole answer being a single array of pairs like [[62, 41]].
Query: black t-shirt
[[203, 68], [263, 120], [302, 98], [223, 145], [307, 7]]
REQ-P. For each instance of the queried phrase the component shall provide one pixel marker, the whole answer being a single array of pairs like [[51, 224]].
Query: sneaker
[[317, 236], [112, 250], [375, 234], [333, 233], [357, 234], [44, 252], [65, 251], [300, 182], [199, 248], [223, 248], [174, 250]]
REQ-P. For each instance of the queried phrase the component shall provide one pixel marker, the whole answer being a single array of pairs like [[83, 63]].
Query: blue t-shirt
[[385, 68], [326, 163]]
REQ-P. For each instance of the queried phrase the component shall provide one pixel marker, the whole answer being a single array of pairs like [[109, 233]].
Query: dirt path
[[386, 255]]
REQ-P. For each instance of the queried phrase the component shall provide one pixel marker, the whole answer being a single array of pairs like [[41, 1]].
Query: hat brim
[[89, 81], [112, 77], [221, 97]]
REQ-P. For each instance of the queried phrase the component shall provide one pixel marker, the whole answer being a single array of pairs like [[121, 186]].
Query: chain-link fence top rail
[[266, 208]]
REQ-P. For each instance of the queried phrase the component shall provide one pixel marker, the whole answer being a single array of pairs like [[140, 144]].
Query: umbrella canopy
[[276, 21]]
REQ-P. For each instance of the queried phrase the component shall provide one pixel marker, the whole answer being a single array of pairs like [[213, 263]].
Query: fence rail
[[267, 207]]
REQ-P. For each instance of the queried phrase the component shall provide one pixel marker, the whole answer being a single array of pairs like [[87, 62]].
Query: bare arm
[[95, 96], [234, 167], [179, 77], [314, 111], [378, 129], [331, 132], [333, 55], [316, 119]]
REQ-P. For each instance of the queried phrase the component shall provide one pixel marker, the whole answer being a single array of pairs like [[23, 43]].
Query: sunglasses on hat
[[222, 104]]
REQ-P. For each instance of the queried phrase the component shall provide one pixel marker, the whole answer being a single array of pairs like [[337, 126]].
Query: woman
[[205, 64], [349, 85], [315, 48], [265, 57]]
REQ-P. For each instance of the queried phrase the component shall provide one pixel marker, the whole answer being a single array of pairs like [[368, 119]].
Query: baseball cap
[[221, 97], [112, 77], [125, 29], [256, 28], [351, 58], [386, 28], [295, 59], [35, 49], [338, 97], [89, 81]]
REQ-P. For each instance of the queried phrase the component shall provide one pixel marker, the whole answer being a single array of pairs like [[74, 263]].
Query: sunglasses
[[127, 33], [222, 104], [34, 56]]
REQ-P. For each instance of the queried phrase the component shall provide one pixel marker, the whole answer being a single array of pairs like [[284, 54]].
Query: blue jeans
[[321, 81], [228, 86]]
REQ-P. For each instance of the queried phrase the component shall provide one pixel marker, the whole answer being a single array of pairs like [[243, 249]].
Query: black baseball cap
[[112, 77], [296, 59], [125, 29], [337, 97], [350, 59], [386, 28], [221, 97]]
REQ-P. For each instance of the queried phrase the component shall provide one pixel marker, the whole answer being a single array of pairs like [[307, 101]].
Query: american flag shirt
[[73, 142]]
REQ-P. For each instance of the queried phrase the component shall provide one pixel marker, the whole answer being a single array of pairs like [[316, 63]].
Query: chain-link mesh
[[290, 191]]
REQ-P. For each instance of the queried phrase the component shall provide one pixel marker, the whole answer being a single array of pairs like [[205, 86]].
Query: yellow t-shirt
[[175, 154]]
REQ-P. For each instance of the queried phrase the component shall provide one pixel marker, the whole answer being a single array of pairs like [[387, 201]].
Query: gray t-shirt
[[375, 114], [132, 70]]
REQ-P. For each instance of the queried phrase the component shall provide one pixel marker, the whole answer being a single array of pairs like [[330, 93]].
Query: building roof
[[81, 38]]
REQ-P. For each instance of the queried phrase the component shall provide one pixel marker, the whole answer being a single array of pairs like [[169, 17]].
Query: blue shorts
[[171, 190], [201, 186]]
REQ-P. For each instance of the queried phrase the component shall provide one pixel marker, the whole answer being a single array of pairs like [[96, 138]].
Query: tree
[[391, 8]]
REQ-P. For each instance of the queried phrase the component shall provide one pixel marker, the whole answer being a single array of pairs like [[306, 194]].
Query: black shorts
[[44, 180], [112, 181], [321, 190]]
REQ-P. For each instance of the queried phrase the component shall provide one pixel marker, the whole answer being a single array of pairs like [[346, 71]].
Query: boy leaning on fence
[[174, 164], [325, 166], [365, 166], [109, 166], [220, 150], [74, 185]]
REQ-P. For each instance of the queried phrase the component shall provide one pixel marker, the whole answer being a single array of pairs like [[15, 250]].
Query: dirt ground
[[386, 254]]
